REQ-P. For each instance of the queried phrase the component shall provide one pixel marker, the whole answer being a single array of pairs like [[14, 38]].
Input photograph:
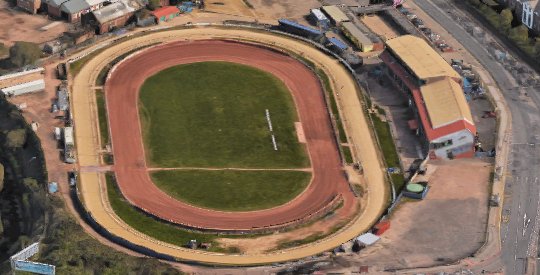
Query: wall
[[462, 142]]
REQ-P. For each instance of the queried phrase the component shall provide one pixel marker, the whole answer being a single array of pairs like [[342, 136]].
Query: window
[[438, 145]]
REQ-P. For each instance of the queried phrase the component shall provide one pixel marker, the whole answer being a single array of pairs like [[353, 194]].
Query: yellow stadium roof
[[445, 102], [420, 57]]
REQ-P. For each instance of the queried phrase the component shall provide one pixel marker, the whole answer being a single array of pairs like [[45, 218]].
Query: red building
[[443, 117], [166, 13]]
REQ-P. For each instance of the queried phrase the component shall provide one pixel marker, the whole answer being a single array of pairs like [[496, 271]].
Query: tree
[[24, 53], [16, 138], [520, 34], [505, 19], [537, 48]]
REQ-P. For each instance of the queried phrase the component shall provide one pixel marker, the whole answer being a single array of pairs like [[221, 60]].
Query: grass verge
[[221, 123], [150, 226], [232, 190]]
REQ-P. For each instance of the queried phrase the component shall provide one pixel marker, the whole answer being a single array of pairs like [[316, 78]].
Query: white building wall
[[461, 142]]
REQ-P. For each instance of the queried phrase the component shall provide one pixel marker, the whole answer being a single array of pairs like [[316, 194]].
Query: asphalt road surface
[[519, 231]]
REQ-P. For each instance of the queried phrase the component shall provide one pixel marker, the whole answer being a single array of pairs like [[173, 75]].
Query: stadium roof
[[335, 14], [420, 57], [116, 10], [445, 102]]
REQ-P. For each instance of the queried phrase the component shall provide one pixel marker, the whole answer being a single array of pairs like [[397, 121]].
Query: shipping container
[[337, 44]]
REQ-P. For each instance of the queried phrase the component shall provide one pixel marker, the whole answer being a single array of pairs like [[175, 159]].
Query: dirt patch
[[26, 27], [284, 9], [270, 242], [448, 225], [230, 7]]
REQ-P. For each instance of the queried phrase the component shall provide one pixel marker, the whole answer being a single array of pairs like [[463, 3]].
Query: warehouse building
[[73, 10], [335, 14], [442, 115], [53, 7], [357, 37], [115, 15]]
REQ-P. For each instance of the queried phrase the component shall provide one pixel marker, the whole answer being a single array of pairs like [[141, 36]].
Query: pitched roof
[[420, 57], [116, 10], [56, 3], [74, 6], [445, 102], [165, 11]]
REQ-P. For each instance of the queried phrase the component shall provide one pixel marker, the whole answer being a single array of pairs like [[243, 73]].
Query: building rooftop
[[357, 33], [420, 57], [318, 13], [165, 11], [335, 13], [116, 10], [74, 6], [56, 3], [445, 102]]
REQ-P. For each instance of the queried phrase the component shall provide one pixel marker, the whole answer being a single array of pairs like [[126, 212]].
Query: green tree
[[31, 184], [520, 34], [16, 138], [505, 19], [24, 53]]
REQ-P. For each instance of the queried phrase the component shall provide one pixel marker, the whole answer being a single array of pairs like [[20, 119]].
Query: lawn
[[212, 114], [232, 190]]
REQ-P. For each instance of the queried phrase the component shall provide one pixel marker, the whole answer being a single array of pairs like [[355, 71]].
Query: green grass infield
[[212, 114], [232, 190]]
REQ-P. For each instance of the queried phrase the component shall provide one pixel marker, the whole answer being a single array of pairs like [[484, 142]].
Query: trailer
[[25, 88], [69, 145]]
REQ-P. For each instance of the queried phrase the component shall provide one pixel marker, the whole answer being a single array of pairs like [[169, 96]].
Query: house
[[165, 13], [443, 119], [30, 6], [73, 10], [115, 15]]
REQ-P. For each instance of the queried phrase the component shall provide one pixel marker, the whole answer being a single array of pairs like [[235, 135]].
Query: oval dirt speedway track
[[122, 93]]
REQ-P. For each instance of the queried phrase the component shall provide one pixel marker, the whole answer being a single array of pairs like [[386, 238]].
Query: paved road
[[522, 194]]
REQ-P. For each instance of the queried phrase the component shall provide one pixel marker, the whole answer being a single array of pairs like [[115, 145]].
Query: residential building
[[443, 119], [53, 7]]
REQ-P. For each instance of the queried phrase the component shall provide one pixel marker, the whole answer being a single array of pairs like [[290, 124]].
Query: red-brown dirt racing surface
[[122, 92]]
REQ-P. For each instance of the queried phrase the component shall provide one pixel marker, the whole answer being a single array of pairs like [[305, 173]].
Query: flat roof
[[357, 33], [445, 102], [335, 13], [165, 11], [116, 10], [318, 13], [420, 57]]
